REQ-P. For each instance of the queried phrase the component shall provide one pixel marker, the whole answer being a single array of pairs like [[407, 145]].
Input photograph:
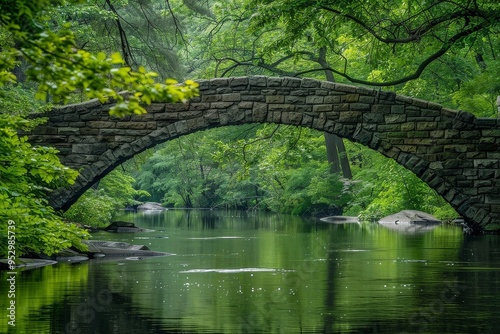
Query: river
[[250, 272]]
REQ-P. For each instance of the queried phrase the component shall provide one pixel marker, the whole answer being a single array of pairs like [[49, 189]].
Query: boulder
[[119, 249], [27, 263], [66, 255], [151, 206], [124, 227], [340, 220], [410, 221]]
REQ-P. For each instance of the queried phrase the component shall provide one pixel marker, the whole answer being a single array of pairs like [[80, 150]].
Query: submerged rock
[[124, 227], [151, 206], [99, 248], [410, 221], [340, 220], [66, 255], [26, 263]]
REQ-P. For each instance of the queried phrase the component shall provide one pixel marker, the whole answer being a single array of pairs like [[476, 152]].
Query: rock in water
[[151, 206], [410, 221], [124, 227], [340, 220]]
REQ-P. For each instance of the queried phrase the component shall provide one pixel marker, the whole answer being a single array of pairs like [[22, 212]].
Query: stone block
[[350, 98], [372, 117], [166, 116], [68, 131], [314, 99], [404, 99], [253, 98], [451, 133], [398, 109], [259, 113], [154, 108], [310, 83], [266, 92], [351, 117], [332, 99], [245, 105], [341, 107], [398, 118], [300, 92], [275, 99], [474, 134], [211, 98], [381, 108], [291, 82], [232, 97], [219, 82], [366, 99], [321, 92], [345, 88], [131, 125], [90, 149], [293, 117], [138, 118], [295, 99], [239, 81], [495, 133], [426, 126], [198, 106], [307, 120], [173, 107], [220, 105], [360, 106], [257, 81], [485, 163], [71, 117], [328, 85], [101, 124], [389, 128], [303, 108], [398, 134], [322, 108]]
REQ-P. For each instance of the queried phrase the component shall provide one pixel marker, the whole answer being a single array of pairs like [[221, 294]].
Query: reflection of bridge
[[455, 153]]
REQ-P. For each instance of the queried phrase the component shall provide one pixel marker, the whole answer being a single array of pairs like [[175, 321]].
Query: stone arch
[[454, 152]]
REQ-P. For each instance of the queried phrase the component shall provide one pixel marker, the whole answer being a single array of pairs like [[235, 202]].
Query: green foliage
[[182, 172], [27, 173], [377, 194], [61, 69], [36, 42], [93, 208], [119, 186], [97, 207], [282, 169]]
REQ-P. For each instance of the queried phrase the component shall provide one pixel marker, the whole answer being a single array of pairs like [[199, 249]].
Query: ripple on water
[[234, 271]]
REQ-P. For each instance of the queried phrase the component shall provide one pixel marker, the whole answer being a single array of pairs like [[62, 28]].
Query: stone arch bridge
[[454, 152]]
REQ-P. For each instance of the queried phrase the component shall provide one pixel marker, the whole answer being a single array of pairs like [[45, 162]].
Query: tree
[[26, 174], [58, 68], [417, 32]]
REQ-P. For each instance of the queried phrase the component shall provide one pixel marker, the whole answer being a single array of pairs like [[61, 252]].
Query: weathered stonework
[[454, 152]]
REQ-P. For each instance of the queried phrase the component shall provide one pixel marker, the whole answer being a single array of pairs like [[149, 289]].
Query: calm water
[[237, 272]]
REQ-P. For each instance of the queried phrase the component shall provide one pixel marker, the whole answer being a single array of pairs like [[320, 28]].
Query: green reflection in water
[[237, 272], [38, 290]]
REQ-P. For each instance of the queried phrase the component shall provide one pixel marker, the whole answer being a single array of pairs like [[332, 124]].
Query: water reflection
[[238, 272]]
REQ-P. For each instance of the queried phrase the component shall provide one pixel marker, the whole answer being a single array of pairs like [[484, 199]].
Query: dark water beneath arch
[[238, 272]]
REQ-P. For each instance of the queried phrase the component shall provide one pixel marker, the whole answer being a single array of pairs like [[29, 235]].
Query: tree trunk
[[335, 148]]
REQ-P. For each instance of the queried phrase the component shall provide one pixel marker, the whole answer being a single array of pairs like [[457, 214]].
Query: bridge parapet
[[454, 152]]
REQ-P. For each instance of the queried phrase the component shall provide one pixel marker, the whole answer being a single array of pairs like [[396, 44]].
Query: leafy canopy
[[61, 68]]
